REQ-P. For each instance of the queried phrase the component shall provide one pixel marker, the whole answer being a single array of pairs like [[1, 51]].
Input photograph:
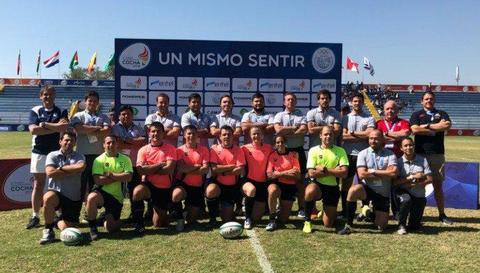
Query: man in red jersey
[[156, 162], [256, 188], [192, 166], [227, 163]]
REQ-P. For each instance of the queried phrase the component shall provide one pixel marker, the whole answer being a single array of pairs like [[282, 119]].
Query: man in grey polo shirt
[[170, 121], [376, 167], [198, 119], [259, 118], [64, 170], [413, 175], [225, 117], [294, 127], [322, 116], [356, 127], [91, 127]]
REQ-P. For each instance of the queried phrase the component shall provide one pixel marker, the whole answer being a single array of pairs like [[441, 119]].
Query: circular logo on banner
[[460, 132], [19, 185], [476, 133], [135, 57], [323, 60]]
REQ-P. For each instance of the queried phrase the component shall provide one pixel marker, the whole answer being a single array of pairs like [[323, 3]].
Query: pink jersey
[[149, 155], [257, 160], [192, 156], [224, 156]]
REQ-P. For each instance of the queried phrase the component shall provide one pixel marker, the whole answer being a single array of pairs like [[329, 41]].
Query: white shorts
[[37, 163]]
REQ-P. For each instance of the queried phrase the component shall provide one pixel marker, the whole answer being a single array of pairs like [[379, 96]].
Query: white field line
[[259, 252]]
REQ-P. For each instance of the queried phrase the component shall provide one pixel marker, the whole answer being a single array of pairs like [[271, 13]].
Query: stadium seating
[[16, 101]]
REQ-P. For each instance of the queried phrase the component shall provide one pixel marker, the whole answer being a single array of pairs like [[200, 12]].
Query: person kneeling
[[110, 170], [414, 175]]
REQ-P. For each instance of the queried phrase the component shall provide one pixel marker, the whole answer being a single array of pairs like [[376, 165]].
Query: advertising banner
[[15, 184]]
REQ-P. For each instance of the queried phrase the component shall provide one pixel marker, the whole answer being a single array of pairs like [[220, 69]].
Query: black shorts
[[87, 176], [229, 195], [261, 190], [70, 209], [160, 197], [330, 195], [136, 179], [302, 158], [111, 204], [380, 202], [288, 191], [195, 196], [352, 165]]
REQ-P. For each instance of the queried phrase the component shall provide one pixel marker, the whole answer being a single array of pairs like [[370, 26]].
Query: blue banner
[[144, 68], [460, 187]]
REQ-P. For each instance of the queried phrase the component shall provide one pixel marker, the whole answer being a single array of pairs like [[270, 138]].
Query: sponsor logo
[[189, 83], [271, 85], [4, 128], [476, 133], [243, 111], [244, 84], [328, 84], [133, 82], [63, 82], [95, 83], [135, 57], [217, 84], [162, 83], [323, 60], [297, 85], [17, 188], [21, 128], [133, 97]]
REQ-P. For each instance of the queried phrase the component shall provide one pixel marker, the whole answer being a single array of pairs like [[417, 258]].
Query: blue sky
[[406, 41]]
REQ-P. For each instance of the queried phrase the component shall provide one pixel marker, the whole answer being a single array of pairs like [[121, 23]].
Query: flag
[[18, 63], [109, 63], [351, 65], [457, 73], [74, 61], [53, 60], [92, 63], [368, 66], [38, 60]]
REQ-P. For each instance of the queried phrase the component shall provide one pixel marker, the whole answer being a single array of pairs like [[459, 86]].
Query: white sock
[[36, 214]]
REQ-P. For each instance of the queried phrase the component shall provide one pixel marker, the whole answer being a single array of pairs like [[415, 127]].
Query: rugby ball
[[231, 230], [71, 236]]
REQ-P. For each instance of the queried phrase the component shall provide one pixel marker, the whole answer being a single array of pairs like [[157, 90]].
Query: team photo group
[[225, 166]]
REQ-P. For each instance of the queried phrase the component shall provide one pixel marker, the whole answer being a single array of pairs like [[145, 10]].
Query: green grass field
[[437, 248]]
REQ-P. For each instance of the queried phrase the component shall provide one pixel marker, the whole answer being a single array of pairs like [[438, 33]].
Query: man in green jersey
[[325, 163], [110, 169]]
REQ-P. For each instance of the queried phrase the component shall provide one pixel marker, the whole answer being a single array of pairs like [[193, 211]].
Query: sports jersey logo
[[107, 165]]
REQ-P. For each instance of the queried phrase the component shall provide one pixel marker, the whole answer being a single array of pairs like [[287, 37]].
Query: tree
[[80, 73]]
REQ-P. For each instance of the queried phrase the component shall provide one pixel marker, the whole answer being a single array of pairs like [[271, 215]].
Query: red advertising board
[[15, 184]]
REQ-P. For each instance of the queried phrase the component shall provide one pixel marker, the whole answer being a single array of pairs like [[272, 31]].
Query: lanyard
[[390, 129]]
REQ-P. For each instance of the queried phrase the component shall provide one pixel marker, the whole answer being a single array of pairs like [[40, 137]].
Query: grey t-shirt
[[380, 160], [406, 168], [285, 118], [321, 118], [354, 122], [203, 121], [222, 119], [124, 133], [263, 118], [169, 121], [90, 144], [69, 186]]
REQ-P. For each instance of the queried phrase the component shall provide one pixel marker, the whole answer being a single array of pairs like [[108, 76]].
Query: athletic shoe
[[402, 230], [93, 234], [345, 231], [47, 237], [248, 224], [180, 225], [307, 227], [445, 220], [301, 213], [33, 222], [139, 229], [272, 225]]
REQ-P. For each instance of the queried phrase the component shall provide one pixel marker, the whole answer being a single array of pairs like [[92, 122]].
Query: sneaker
[[93, 234], [139, 229], [47, 237], [33, 222], [272, 225], [301, 213], [445, 220], [307, 227], [345, 231], [248, 224], [180, 225], [402, 230], [212, 223]]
